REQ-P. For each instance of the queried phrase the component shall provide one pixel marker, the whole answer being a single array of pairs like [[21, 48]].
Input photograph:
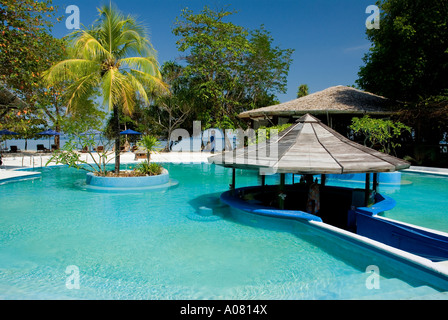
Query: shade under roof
[[310, 147]]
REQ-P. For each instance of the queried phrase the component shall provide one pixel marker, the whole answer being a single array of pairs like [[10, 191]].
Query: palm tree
[[150, 144], [114, 58]]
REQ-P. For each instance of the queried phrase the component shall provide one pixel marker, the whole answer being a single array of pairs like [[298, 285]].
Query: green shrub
[[259, 138], [148, 169]]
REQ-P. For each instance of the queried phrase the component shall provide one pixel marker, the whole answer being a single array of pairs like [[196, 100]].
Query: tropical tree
[[27, 48], [174, 109], [265, 69], [149, 144], [409, 58], [408, 62], [302, 91], [381, 133], [114, 58], [230, 69]]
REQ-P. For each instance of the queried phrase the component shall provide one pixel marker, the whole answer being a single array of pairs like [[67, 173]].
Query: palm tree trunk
[[57, 139], [117, 139]]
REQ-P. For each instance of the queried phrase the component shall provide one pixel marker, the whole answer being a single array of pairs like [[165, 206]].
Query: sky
[[328, 36]]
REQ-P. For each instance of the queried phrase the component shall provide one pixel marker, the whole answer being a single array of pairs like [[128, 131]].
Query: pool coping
[[428, 170], [17, 175]]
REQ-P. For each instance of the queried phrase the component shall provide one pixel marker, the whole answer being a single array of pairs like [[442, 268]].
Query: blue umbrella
[[6, 132], [49, 133], [129, 131]]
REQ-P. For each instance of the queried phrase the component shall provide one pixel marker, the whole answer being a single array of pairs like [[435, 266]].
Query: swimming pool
[[153, 245]]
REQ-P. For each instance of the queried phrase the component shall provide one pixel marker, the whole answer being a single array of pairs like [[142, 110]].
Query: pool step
[[353, 287], [434, 296], [413, 293]]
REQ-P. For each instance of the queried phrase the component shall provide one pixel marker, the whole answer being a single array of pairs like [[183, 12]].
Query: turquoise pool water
[[422, 199], [424, 202], [152, 245]]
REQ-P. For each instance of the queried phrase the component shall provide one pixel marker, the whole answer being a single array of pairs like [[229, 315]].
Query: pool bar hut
[[311, 149]]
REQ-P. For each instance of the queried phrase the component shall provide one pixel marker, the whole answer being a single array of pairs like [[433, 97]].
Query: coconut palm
[[112, 58]]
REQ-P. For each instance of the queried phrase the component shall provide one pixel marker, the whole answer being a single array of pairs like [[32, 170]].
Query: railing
[[32, 162]]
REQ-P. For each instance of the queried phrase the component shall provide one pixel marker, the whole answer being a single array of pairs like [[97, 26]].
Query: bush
[[259, 138], [383, 133], [148, 169]]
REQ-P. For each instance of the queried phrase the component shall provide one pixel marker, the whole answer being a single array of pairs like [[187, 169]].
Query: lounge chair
[[40, 147], [14, 149], [99, 149], [54, 147], [140, 154], [85, 149]]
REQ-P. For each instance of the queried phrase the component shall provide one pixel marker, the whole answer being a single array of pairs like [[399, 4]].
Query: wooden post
[[232, 186], [375, 181], [263, 180], [367, 191], [323, 179], [281, 201]]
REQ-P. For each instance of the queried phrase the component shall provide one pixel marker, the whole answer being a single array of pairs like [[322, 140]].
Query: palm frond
[[145, 64], [70, 70], [126, 93], [77, 91], [88, 46], [138, 86], [100, 58], [152, 83], [110, 28], [108, 88]]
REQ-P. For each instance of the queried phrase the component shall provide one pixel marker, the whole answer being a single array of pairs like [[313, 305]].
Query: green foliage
[[147, 169], [172, 110], [264, 133], [69, 154], [409, 57], [149, 144], [26, 44], [229, 68], [379, 132], [265, 69], [215, 50], [302, 90], [27, 49], [112, 58]]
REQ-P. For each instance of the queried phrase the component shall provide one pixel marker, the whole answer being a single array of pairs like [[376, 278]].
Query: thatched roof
[[338, 99], [310, 147], [9, 100]]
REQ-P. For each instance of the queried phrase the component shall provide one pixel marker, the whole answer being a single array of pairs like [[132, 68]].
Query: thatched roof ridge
[[337, 99]]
